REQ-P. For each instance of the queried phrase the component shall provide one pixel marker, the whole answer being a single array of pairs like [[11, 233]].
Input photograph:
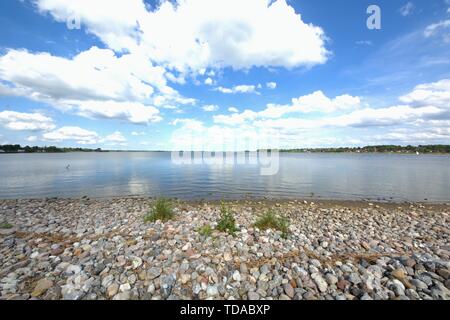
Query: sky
[[224, 75]]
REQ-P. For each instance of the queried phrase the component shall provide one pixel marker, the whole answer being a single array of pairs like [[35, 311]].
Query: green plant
[[6, 225], [162, 210], [270, 220], [206, 230], [226, 222]]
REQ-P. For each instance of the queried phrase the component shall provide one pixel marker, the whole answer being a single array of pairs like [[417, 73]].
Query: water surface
[[388, 177]]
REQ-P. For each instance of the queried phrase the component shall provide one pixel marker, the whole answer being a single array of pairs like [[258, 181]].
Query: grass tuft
[[6, 225], [226, 223], [162, 210], [205, 230], [270, 220]]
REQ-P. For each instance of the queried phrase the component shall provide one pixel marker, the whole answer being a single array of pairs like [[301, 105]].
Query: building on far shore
[[2, 151]]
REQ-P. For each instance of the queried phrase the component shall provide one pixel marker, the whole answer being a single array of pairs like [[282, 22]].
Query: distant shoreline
[[391, 149], [284, 152]]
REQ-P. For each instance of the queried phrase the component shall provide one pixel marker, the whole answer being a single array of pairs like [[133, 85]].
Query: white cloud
[[271, 85], [133, 112], [209, 82], [233, 110], [136, 133], [210, 108], [191, 124], [315, 102], [407, 9], [236, 118], [81, 136], [19, 121], [424, 113], [238, 89], [114, 22], [318, 101], [32, 138], [434, 28], [430, 94], [234, 33], [95, 83], [95, 74], [116, 137]]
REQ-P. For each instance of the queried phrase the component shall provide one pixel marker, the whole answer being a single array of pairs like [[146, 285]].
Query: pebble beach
[[102, 249]]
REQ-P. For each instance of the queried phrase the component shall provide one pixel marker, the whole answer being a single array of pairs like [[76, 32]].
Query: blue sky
[[211, 74]]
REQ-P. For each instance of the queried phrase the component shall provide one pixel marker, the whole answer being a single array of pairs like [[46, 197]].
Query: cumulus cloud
[[233, 110], [209, 81], [236, 118], [430, 94], [133, 112], [32, 138], [315, 102], [82, 136], [95, 83], [20, 121], [423, 111], [95, 74], [114, 22], [210, 108], [233, 33]]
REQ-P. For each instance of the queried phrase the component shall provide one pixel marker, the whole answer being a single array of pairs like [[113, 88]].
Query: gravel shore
[[102, 249]]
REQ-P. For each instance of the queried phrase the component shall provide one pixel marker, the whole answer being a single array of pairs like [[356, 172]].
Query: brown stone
[[342, 284], [41, 287]]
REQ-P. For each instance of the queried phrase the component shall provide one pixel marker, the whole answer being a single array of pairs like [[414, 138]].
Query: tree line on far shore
[[17, 148], [377, 149]]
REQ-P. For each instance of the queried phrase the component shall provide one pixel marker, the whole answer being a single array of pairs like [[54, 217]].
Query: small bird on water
[[68, 167]]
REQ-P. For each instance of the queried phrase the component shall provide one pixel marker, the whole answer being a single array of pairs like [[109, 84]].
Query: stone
[[136, 262], [212, 291], [320, 282], [420, 285], [289, 290], [354, 278], [331, 279], [112, 290], [41, 287], [125, 287], [401, 276], [184, 278], [73, 270], [236, 276], [122, 296], [153, 273], [253, 295], [397, 287], [444, 273], [227, 256], [342, 284]]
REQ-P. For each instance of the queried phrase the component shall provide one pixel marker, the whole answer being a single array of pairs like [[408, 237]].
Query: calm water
[[331, 176]]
